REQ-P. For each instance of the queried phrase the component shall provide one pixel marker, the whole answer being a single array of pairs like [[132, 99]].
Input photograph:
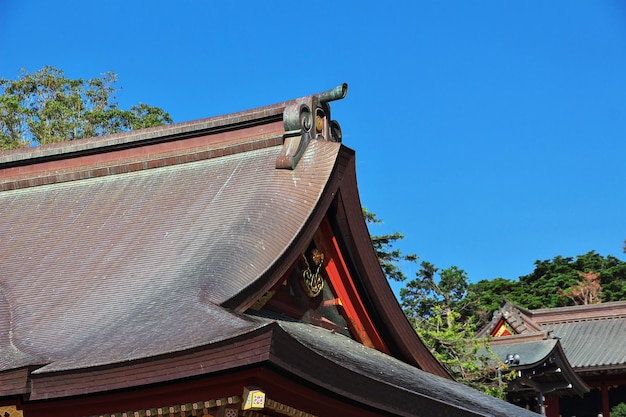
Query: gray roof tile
[[593, 343]]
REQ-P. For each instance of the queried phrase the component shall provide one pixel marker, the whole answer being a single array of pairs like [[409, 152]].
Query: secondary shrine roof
[[592, 335]]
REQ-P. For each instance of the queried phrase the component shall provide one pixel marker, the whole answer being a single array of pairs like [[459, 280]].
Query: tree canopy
[[446, 309], [435, 302], [556, 282], [47, 107]]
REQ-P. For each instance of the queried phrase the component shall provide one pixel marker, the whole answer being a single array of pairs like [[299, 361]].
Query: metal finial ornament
[[307, 119]]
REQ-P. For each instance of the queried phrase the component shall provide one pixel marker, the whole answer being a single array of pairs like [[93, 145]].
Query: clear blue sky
[[490, 133]]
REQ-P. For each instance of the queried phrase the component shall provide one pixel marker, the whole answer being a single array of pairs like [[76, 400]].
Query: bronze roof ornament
[[308, 118]]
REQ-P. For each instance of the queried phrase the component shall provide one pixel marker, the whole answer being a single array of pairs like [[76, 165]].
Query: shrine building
[[218, 267], [569, 361]]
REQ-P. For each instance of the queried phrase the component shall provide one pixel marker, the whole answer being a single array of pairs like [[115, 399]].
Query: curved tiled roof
[[536, 357], [388, 383], [592, 336], [130, 260], [81, 257], [593, 343]]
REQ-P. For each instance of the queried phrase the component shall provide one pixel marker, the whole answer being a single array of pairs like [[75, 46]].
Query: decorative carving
[[298, 122], [308, 118], [312, 282], [10, 411]]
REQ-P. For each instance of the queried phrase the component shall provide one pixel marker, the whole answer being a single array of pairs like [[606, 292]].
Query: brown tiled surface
[[132, 265]]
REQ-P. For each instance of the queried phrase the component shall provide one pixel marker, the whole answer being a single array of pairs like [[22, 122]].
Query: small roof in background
[[581, 330]]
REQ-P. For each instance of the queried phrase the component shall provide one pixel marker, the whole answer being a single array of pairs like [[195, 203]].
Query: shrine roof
[[387, 383], [592, 344], [132, 260], [592, 335], [92, 266], [543, 363], [143, 244]]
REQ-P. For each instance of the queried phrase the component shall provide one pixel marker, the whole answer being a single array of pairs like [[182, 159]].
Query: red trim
[[606, 411], [496, 332], [360, 323], [552, 406]]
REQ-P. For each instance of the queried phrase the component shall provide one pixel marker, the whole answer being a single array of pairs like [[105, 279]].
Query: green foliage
[[468, 359], [434, 302], [47, 107], [388, 257], [619, 410], [541, 287], [446, 309], [548, 285], [486, 296], [425, 297]]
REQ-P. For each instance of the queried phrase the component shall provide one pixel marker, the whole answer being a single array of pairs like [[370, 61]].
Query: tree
[[424, 297], [388, 256], [543, 287], [47, 107], [586, 291], [486, 296], [434, 303]]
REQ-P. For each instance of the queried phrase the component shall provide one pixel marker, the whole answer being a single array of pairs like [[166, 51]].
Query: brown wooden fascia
[[134, 156], [15, 382], [399, 335], [241, 351]]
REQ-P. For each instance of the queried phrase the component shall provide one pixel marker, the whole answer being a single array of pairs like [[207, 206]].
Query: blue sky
[[491, 134]]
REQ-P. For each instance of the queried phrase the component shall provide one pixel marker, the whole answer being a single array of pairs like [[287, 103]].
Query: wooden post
[[606, 411], [552, 406]]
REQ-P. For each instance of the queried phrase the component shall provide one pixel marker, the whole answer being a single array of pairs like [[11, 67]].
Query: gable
[[502, 329], [319, 289]]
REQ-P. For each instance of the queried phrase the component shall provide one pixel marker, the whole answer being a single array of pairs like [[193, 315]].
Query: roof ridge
[[580, 312], [584, 319], [291, 123], [136, 137], [57, 172]]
